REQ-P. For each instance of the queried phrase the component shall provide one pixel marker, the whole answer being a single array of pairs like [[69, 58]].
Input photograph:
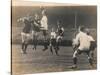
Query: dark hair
[[44, 11], [87, 31], [82, 28], [42, 8]]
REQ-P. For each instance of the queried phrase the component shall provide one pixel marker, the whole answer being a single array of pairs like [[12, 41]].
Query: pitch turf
[[39, 61]]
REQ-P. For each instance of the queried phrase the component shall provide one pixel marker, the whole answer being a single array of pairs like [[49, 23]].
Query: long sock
[[90, 61], [75, 60], [35, 45], [23, 46], [51, 49], [56, 51], [45, 44], [58, 45]]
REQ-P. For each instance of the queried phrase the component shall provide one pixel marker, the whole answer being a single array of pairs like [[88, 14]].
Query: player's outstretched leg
[[90, 59], [74, 66]]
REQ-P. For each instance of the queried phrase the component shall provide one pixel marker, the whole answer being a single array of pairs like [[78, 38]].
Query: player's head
[[44, 12], [87, 31], [36, 16], [42, 8], [81, 28]]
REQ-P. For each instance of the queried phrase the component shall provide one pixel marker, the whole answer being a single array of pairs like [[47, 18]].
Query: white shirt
[[83, 40], [44, 22], [53, 35]]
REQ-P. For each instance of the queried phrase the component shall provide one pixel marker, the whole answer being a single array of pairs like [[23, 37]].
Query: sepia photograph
[[52, 37]]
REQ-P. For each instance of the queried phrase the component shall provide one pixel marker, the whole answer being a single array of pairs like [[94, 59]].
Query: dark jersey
[[53, 42], [60, 31], [27, 27], [36, 25]]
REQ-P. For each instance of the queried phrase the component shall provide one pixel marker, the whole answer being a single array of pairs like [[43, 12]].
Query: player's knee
[[75, 54]]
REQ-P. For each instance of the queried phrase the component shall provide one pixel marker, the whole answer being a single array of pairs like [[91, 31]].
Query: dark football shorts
[[44, 32], [53, 42], [83, 51]]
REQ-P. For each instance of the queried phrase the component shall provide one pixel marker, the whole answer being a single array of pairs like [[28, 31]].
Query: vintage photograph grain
[[53, 37]]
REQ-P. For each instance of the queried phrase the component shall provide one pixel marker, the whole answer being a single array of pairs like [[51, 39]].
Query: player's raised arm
[[20, 19]]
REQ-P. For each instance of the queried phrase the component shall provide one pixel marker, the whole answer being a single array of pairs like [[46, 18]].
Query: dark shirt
[[36, 25], [27, 27], [60, 31]]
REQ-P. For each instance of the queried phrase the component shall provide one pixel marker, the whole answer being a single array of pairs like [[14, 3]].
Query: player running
[[25, 34], [83, 43], [60, 34], [53, 42]]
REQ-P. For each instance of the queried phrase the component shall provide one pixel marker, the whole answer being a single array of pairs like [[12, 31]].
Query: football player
[[53, 42], [25, 34], [60, 33], [83, 43], [44, 28]]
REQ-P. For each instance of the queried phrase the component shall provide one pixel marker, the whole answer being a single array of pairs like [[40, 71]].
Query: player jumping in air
[[25, 34], [83, 43], [44, 28]]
